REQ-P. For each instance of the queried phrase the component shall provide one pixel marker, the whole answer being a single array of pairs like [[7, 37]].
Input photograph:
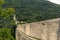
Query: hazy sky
[[55, 1]]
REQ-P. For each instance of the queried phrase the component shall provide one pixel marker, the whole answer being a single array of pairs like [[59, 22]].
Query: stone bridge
[[44, 30]]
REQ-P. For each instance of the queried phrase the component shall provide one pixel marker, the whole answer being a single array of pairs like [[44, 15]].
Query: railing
[[23, 36]]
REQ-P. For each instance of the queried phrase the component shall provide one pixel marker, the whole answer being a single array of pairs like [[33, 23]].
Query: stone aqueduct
[[44, 30]]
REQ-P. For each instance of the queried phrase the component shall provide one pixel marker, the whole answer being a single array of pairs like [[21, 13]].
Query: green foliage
[[2, 2], [6, 34], [34, 10], [6, 12], [6, 15], [29, 10], [6, 20]]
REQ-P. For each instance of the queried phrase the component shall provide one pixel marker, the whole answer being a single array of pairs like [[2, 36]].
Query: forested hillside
[[34, 10]]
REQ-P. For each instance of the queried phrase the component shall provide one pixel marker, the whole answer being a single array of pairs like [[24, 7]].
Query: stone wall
[[45, 30]]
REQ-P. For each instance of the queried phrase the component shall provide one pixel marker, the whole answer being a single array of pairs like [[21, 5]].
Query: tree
[[5, 34], [2, 2], [6, 13]]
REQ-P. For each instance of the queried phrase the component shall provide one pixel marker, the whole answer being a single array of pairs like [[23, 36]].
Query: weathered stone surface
[[45, 30]]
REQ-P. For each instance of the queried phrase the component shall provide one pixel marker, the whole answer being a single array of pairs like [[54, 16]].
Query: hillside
[[34, 10]]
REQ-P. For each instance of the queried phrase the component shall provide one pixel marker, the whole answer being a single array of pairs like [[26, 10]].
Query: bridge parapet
[[22, 36], [45, 30]]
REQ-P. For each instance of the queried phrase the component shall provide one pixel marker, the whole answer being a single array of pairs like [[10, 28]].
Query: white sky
[[55, 1]]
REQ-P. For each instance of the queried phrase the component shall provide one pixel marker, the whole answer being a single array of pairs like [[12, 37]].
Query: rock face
[[45, 30]]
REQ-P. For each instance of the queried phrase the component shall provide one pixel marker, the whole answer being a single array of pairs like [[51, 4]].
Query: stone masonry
[[45, 30]]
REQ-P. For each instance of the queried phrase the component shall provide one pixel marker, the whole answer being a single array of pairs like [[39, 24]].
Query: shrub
[[6, 34]]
